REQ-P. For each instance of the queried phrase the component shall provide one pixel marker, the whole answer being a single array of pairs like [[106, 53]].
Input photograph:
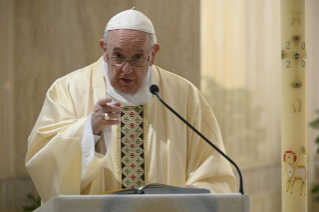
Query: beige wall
[[7, 144], [42, 40], [240, 71]]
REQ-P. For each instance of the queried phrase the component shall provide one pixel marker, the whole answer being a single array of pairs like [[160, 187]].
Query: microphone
[[155, 90]]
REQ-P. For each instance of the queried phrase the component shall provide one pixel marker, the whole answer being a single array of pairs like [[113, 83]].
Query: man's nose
[[127, 67]]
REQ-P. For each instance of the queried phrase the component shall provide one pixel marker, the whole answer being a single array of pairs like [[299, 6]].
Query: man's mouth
[[126, 81]]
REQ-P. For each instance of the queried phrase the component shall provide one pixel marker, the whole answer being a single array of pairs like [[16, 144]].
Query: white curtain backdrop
[[240, 69]]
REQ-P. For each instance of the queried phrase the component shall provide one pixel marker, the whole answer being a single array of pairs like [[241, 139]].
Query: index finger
[[113, 108], [104, 101]]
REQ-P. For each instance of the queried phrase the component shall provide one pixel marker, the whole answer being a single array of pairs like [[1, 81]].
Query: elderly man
[[101, 129]]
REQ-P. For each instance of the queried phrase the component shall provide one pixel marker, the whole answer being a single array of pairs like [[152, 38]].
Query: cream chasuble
[[172, 153]]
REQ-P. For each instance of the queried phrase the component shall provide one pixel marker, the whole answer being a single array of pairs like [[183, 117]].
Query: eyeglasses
[[135, 61]]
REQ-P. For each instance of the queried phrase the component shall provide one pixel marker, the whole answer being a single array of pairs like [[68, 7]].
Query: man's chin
[[127, 90]]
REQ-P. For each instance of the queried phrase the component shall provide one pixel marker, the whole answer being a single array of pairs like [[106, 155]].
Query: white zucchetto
[[131, 19]]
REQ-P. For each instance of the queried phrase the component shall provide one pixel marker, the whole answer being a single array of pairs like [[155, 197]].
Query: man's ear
[[156, 48], [103, 47]]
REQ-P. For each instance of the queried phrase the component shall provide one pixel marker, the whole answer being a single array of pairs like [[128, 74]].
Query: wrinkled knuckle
[[96, 109]]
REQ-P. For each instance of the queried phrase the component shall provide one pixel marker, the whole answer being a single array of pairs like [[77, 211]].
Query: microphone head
[[154, 88]]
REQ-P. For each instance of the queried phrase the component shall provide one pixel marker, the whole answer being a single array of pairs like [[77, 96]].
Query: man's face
[[128, 44]]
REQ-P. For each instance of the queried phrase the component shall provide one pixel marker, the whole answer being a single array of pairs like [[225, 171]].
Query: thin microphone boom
[[154, 90]]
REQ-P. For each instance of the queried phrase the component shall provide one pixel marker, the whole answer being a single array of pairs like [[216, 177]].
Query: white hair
[[153, 38]]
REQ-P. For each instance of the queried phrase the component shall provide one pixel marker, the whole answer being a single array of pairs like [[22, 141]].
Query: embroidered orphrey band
[[131, 145]]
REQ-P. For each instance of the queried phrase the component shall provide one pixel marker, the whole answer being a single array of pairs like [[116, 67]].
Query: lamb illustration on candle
[[295, 172]]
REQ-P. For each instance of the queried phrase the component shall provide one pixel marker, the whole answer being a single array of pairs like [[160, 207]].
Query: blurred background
[[229, 49]]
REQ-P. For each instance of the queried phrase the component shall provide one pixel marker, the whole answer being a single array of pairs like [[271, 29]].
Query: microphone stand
[[241, 190]]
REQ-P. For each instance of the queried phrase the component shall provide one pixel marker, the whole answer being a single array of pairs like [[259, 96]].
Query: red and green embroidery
[[132, 147]]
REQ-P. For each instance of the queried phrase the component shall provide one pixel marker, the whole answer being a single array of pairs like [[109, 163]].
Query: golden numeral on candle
[[288, 64]]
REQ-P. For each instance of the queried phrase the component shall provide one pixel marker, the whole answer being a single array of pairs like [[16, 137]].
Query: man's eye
[[117, 55], [139, 56]]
